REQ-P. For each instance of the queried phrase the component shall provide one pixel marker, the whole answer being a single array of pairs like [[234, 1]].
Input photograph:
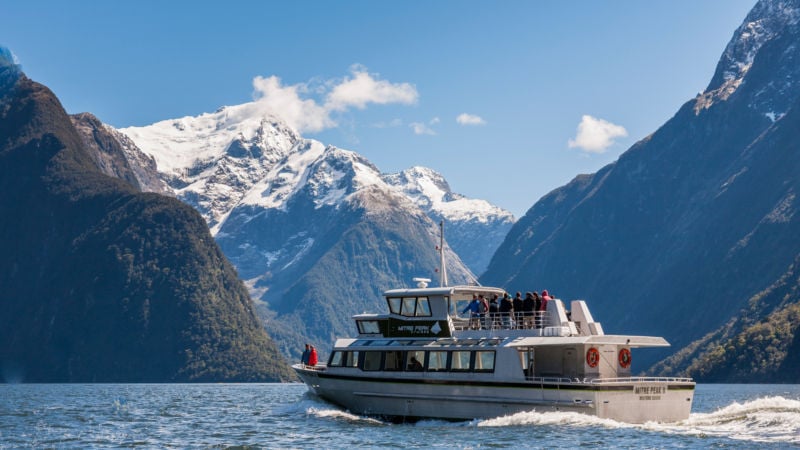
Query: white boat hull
[[419, 396]]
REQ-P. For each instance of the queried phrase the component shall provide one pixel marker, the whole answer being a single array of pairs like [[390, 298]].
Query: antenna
[[443, 271]]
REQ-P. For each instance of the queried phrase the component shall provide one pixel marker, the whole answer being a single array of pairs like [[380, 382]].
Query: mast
[[442, 266]]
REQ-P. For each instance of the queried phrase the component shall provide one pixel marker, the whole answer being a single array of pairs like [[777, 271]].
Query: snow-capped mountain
[[211, 161], [316, 231], [475, 227]]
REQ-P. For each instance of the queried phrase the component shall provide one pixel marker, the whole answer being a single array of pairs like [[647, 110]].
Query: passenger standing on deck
[[494, 310], [505, 310], [543, 309], [518, 310], [527, 309], [306, 354], [484, 311], [474, 310], [312, 357], [537, 305]]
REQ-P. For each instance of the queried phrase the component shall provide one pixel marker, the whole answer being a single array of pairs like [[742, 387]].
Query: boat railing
[[502, 321], [625, 380], [641, 380], [319, 367], [550, 379]]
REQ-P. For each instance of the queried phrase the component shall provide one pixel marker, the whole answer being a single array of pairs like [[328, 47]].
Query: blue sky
[[390, 79]]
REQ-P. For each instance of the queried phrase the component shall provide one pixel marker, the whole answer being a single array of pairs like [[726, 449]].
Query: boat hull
[[468, 398]]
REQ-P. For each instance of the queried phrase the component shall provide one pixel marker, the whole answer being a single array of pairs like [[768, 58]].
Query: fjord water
[[287, 416]]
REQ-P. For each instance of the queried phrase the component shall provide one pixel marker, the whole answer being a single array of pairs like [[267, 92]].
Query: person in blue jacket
[[474, 308]]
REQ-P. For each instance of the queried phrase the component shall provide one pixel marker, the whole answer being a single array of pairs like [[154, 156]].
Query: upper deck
[[436, 312]]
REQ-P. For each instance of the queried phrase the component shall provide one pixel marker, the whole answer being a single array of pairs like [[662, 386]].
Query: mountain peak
[[429, 190], [767, 21]]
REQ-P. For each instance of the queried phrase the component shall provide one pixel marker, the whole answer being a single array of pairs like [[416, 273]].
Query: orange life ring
[[592, 357], [625, 358]]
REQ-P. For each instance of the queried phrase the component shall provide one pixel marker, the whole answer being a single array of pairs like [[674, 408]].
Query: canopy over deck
[[628, 341]]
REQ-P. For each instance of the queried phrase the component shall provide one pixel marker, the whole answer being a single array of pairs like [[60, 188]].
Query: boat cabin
[[423, 331]]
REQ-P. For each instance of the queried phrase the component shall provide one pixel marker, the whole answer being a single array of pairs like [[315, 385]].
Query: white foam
[[767, 419], [333, 413], [551, 418]]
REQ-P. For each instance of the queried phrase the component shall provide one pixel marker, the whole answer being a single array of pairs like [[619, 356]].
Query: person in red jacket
[[312, 357]]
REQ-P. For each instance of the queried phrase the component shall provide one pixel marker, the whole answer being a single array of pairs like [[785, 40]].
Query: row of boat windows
[[410, 306], [493, 342], [416, 360]]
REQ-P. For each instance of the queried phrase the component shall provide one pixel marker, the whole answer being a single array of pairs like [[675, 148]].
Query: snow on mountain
[[211, 161], [429, 190], [236, 157], [474, 228], [297, 217]]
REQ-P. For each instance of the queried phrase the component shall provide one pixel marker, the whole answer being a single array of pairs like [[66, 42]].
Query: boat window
[[393, 360], [350, 359], [414, 360], [380, 342], [368, 327], [437, 361], [460, 361], [423, 308], [359, 343], [451, 306], [394, 305], [372, 361], [400, 342], [336, 359], [484, 361], [409, 305]]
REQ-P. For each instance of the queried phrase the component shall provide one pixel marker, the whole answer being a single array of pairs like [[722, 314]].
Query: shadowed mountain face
[[679, 234], [99, 282]]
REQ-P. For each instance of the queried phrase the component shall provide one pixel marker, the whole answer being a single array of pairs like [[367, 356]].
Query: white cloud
[[470, 119], [596, 135], [291, 103], [421, 128], [285, 102], [363, 89]]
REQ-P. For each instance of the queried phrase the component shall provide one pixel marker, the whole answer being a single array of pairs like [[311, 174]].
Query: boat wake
[[311, 405], [338, 414], [767, 419]]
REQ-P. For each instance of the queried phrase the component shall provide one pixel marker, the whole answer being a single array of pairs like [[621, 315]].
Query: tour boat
[[422, 360]]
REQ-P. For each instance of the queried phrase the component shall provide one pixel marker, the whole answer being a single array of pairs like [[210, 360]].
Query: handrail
[[620, 380], [641, 380], [502, 321], [318, 368]]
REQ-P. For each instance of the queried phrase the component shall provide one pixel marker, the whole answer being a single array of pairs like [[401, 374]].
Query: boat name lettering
[[650, 390], [649, 397], [415, 329]]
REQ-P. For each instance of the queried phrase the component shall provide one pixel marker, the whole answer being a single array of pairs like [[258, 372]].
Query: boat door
[[526, 359], [570, 363]]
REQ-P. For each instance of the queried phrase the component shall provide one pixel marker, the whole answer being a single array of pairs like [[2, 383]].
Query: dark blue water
[[286, 416]]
